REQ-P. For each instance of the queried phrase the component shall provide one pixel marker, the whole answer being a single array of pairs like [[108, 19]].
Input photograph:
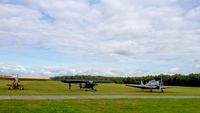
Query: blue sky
[[99, 37]]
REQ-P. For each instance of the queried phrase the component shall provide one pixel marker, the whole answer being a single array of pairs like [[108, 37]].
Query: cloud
[[157, 33], [12, 69], [197, 66], [50, 71]]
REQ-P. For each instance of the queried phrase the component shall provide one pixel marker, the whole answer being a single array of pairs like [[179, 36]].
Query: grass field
[[101, 106], [59, 88], [97, 105]]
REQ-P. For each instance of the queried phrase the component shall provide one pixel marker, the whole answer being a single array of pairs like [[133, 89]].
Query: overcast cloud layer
[[102, 37]]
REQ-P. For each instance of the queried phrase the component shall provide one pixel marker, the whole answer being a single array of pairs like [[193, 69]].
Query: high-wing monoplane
[[152, 84], [84, 84], [16, 81]]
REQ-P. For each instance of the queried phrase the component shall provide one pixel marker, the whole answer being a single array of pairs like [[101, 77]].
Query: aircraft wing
[[84, 81], [139, 86], [74, 81], [147, 87], [7, 78], [33, 79], [166, 87], [102, 81]]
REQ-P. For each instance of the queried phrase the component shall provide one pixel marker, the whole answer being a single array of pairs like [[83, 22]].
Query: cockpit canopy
[[153, 83]]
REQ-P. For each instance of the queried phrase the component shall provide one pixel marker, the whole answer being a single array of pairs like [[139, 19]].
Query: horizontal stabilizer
[[139, 86]]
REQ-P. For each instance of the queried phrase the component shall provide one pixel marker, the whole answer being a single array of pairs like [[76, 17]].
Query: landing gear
[[9, 88], [162, 91], [151, 90], [22, 88], [94, 89]]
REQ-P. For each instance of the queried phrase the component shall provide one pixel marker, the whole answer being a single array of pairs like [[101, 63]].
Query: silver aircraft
[[152, 84]]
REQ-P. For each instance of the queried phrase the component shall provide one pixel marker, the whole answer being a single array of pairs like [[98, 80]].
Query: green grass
[[59, 88], [96, 105], [101, 106]]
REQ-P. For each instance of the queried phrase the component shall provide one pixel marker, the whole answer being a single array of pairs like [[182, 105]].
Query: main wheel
[[9, 88], [22, 88]]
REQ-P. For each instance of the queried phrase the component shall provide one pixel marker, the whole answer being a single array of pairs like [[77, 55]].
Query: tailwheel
[[150, 90], [22, 88], [9, 88], [95, 90], [162, 91]]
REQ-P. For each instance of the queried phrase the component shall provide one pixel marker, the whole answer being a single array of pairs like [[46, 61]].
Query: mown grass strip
[[101, 106]]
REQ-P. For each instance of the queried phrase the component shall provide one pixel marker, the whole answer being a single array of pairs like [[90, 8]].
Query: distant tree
[[176, 79]]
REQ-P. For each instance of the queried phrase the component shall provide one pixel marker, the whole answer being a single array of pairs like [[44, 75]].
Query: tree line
[[174, 80]]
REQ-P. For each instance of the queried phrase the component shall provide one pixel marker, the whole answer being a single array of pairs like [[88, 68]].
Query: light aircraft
[[152, 84], [16, 81], [85, 84]]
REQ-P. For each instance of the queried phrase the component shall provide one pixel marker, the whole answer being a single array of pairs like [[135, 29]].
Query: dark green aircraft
[[84, 84]]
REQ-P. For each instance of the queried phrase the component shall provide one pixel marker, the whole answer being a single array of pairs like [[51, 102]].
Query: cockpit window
[[151, 81]]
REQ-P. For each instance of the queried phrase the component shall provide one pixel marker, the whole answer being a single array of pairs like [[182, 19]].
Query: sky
[[45, 38]]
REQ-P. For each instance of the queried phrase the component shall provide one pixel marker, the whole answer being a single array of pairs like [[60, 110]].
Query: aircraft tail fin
[[141, 83]]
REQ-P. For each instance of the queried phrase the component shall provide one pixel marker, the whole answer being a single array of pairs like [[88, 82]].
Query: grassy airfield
[[59, 88], [97, 105], [101, 106]]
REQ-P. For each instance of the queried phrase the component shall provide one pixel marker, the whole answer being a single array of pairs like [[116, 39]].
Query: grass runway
[[101, 106], [150, 105], [59, 88]]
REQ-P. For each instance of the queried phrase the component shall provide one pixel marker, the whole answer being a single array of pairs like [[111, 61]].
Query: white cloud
[[198, 66], [159, 33], [12, 69], [174, 69], [49, 71]]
